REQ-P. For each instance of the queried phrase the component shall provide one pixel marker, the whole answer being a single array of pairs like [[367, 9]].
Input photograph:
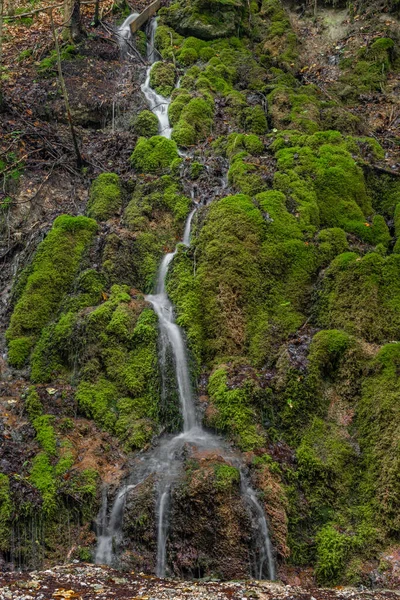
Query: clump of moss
[[155, 154], [162, 78], [361, 296], [195, 121], [233, 412], [105, 197], [379, 436], [366, 72], [324, 180], [226, 476], [53, 269], [145, 124], [5, 513]]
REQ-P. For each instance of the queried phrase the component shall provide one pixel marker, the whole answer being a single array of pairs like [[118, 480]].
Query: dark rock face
[[206, 19], [210, 529], [139, 542]]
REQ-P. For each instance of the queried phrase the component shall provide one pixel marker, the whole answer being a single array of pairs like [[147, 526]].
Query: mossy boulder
[[54, 267], [105, 198], [145, 124], [162, 78], [205, 19], [154, 155], [361, 295]]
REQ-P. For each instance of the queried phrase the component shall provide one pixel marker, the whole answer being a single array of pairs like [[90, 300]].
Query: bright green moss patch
[[145, 124], [361, 296], [53, 269], [226, 476], [379, 436], [45, 433], [105, 197], [232, 411], [162, 78], [98, 401], [325, 181], [5, 513], [366, 72], [195, 121], [154, 155]]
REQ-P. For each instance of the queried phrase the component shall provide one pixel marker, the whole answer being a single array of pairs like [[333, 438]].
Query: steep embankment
[[289, 297]]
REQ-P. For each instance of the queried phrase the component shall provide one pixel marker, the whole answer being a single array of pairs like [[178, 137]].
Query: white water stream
[[165, 459]]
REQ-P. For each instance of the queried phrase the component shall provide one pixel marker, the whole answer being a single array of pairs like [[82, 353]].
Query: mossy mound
[[51, 274], [155, 154], [361, 295], [205, 19], [105, 198], [145, 124], [162, 78]]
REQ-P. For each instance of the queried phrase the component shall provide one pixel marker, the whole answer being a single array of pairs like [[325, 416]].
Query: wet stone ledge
[[87, 582]]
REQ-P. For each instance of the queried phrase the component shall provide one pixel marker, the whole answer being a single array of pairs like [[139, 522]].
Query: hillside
[[234, 413]]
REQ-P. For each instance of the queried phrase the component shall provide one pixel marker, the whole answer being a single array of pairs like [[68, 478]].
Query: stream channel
[[165, 459]]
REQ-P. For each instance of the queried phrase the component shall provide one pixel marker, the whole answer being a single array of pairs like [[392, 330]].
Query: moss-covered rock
[[145, 124], [105, 199], [153, 155], [162, 78], [205, 19], [53, 269]]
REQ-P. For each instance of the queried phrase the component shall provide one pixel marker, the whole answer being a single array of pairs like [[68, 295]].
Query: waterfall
[[165, 459]]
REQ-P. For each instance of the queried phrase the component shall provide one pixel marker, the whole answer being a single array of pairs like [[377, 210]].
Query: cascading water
[[157, 103], [165, 459]]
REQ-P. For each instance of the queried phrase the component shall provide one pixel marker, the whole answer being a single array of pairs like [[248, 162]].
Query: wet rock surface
[[87, 582]]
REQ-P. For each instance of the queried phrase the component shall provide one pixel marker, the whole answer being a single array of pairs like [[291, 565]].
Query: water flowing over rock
[[165, 463]]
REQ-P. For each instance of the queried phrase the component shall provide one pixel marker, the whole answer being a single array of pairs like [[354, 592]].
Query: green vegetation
[[5, 512], [153, 155], [105, 197], [226, 476], [53, 269], [232, 412], [48, 65], [162, 78], [145, 124]]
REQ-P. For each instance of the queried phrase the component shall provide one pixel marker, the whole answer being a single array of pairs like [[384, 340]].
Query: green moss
[[154, 154], [98, 401], [226, 476], [379, 436], [5, 513], [366, 72], [325, 181], [33, 404], [45, 433], [256, 121], [195, 121], [145, 124], [361, 296], [333, 550], [105, 197], [42, 477], [53, 269], [162, 78], [234, 413], [187, 56]]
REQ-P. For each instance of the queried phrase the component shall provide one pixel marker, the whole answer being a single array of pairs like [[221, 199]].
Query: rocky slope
[[288, 295]]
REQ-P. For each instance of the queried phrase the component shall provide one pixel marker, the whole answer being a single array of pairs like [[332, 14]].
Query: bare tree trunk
[[73, 23], [79, 159], [11, 8], [96, 19]]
